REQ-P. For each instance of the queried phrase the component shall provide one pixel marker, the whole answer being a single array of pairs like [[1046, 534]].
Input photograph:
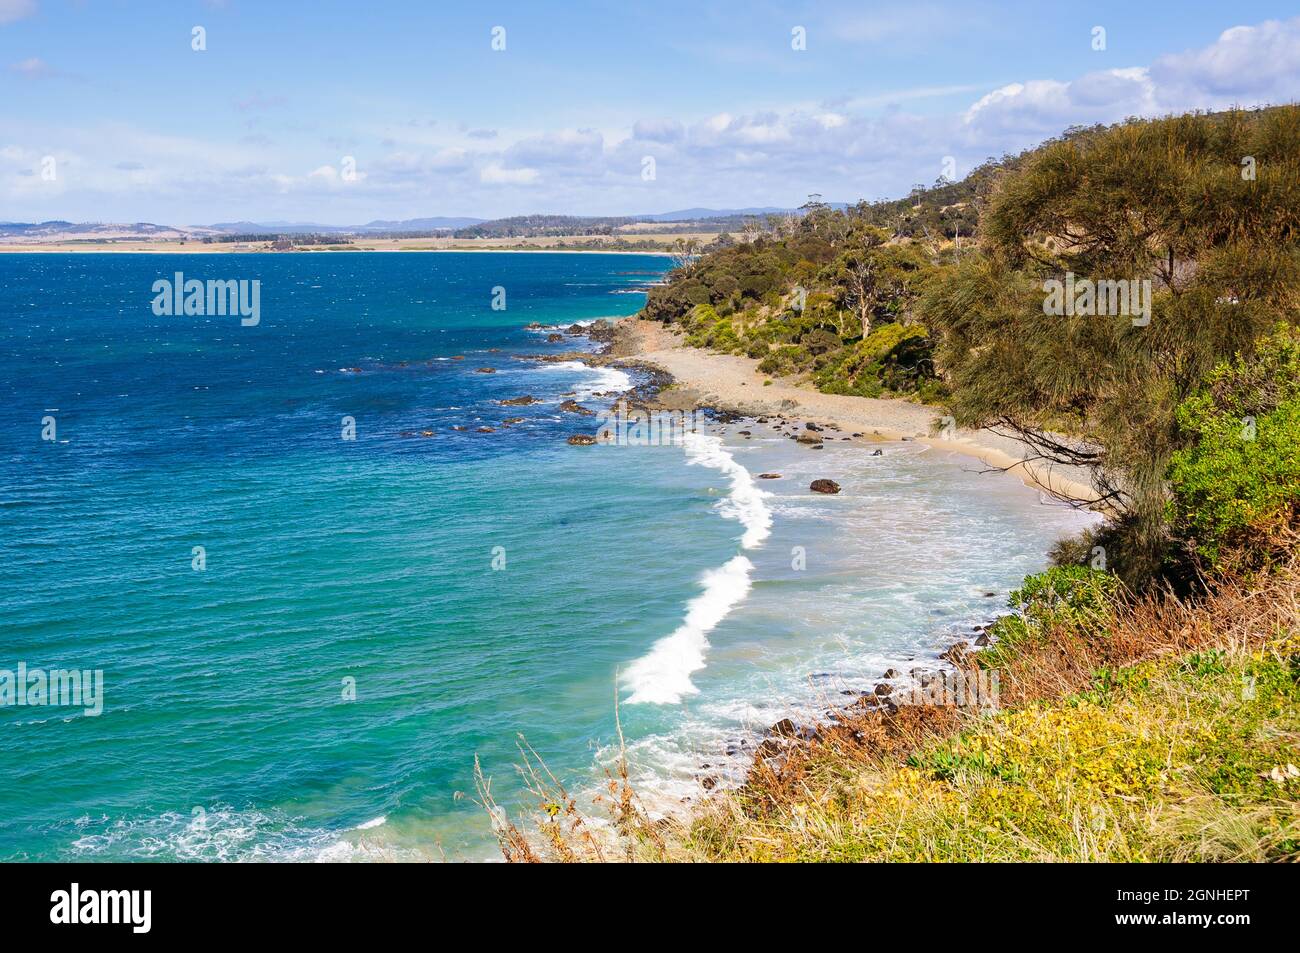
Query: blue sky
[[258, 126]]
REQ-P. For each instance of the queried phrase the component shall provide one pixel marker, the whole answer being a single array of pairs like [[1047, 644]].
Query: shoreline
[[688, 379], [733, 384]]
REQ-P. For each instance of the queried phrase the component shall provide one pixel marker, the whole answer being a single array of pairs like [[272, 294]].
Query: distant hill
[[436, 224], [439, 223], [59, 230], [279, 228], [517, 226]]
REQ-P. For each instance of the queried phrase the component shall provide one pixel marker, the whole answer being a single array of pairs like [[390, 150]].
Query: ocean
[[314, 601]]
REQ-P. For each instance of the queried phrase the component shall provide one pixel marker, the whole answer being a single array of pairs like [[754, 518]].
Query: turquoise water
[[228, 728]]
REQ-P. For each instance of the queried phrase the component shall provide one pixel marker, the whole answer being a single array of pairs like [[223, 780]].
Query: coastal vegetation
[[1202, 211], [1149, 682]]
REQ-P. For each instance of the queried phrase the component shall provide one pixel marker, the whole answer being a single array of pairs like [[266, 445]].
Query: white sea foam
[[604, 379], [663, 675], [746, 503]]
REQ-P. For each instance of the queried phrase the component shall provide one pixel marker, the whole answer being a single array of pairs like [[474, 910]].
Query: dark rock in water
[[512, 420], [882, 689], [458, 357], [824, 486], [990, 595], [958, 654], [743, 433], [708, 783], [573, 407], [582, 440], [846, 438], [808, 438], [485, 370], [487, 429], [809, 425], [984, 640], [458, 427], [877, 453], [762, 420], [600, 330], [552, 338], [892, 673], [818, 446], [519, 401], [785, 728], [769, 476], [533, 326], [857, 435]]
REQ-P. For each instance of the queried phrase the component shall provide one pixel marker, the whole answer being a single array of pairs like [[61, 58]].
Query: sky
[[345, 112]]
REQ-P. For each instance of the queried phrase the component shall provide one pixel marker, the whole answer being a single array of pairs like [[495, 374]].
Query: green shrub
[[1236, 490], [893, 357], [789, 359], [1078, 599]]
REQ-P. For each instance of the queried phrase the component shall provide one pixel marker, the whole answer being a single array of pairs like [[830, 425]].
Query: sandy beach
[[733, 383]]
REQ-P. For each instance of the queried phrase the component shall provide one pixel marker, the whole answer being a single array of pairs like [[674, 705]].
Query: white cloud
[[658, 130], [1247, 64], [1044, 107], [494, 174], [32, 67]]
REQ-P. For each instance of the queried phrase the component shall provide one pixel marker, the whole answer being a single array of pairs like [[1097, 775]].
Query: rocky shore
[[678, 378], [734, 393]]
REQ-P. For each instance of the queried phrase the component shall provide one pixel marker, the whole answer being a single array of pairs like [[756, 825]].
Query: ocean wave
[[746, 503], [663, 675], [605, 378], [226, 834], [220, 834]]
